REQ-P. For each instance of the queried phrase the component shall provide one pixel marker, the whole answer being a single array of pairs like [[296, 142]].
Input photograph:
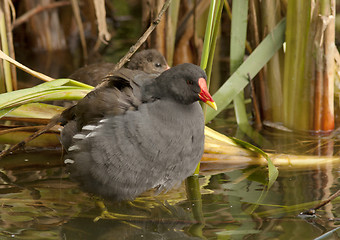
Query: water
[[39, 201]]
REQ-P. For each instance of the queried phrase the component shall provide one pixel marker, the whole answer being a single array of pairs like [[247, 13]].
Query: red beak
[[205, 95]]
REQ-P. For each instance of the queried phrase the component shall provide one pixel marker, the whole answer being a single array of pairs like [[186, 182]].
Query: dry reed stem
[[26, 69], [24, 18], [328, 88], [103, 34], [76, 12], [7, 11]]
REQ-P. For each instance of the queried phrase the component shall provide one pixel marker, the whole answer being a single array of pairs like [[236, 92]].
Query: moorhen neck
[[155, 145]]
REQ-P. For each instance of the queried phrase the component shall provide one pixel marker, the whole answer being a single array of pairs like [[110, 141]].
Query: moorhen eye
[[190, 82], [158, 65]]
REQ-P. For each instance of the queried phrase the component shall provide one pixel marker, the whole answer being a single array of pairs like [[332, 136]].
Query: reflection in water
[[38, 201], [160, 227]]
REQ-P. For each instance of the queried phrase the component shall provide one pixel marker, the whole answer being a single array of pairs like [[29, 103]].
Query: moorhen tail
[[149, 61], [156, 144]]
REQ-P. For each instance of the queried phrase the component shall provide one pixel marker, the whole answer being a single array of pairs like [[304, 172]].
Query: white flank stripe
[[89, 127], [68, 161], [92, 134], [79, 136], [72, 148]]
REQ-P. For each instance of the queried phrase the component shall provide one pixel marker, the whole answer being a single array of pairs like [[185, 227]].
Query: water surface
[[39, 201]]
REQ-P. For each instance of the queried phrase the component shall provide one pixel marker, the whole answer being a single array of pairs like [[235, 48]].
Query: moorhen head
[[155, 145], [149, 61]]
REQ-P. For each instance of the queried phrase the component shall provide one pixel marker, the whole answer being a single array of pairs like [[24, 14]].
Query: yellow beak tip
[[212, 105]]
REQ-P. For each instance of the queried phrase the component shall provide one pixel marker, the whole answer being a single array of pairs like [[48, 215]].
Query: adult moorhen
[[155, 144]]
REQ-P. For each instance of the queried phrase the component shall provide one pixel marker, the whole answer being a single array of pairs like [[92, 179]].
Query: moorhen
[[155, 142], [149, 61]]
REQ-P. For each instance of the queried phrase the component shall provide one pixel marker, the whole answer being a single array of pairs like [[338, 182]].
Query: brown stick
[[36, 10], [141, 40], [321, 204]]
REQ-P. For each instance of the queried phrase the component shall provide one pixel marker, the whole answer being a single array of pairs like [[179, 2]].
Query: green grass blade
[[251, 66], [56, 94], [211, 54], [4, 46], [237, 46], [216, 26], [75, 83], [238, 33], [54, 90], [207, 35], [273, 173], [212, 23]]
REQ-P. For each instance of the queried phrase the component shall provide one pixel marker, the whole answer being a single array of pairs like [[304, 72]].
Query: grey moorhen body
[[155, 143]]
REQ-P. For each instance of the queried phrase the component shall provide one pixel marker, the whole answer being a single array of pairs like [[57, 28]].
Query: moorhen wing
[[155, 144]]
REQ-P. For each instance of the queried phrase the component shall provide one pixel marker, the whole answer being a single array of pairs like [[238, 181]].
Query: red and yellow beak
[[205, 95]]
